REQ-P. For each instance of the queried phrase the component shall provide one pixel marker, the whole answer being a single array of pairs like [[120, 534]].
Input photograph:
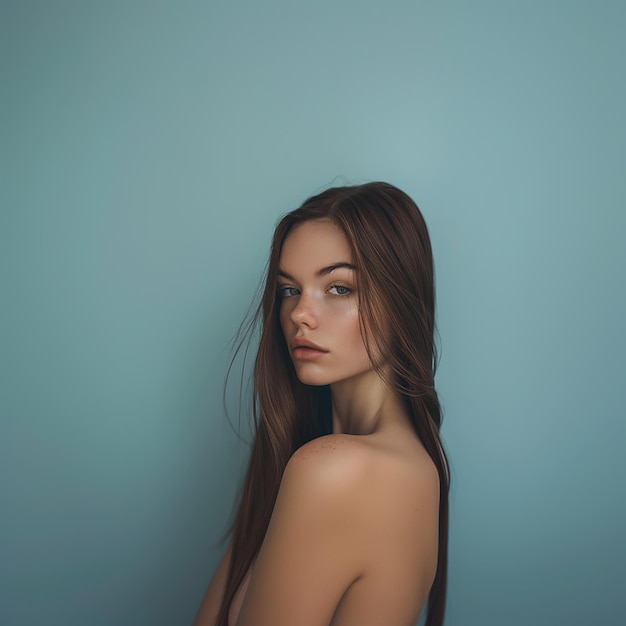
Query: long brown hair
[[394, 264]]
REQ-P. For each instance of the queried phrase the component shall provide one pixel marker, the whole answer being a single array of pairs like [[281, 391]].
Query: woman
[[343, 517]]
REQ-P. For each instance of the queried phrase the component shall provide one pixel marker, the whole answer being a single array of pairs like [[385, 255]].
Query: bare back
[[397, 498]]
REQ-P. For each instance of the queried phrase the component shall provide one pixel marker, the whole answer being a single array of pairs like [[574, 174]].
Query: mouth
[[307, 354], [306, 351]]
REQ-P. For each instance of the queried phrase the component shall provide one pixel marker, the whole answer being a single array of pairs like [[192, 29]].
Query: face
[[319, 311]]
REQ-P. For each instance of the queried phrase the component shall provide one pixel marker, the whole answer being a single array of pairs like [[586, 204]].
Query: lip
[[306, 350]]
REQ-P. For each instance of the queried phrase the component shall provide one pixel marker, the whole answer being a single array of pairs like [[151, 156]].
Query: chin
[[313, 381], [308, 376]]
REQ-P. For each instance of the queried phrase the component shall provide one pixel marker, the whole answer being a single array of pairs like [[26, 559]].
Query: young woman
[[343, 517]]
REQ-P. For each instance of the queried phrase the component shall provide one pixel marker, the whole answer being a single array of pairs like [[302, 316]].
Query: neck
[[364, 405]]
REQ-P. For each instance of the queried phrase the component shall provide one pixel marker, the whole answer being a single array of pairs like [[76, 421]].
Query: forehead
[[315, 244]]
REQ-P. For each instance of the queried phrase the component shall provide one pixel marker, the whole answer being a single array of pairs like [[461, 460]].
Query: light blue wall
[[147, 150]]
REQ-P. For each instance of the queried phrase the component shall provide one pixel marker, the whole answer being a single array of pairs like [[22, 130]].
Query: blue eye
[[286, 292], [340, 290]]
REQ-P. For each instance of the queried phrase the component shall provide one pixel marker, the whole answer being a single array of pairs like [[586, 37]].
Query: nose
[[304, 314]]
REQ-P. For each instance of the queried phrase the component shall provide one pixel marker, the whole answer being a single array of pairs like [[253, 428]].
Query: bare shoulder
[[345, 514], [314, 523], [328, 475], [334, 459], [363, 470]]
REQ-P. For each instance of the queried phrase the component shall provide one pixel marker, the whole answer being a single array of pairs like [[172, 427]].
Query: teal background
[[147, 150]]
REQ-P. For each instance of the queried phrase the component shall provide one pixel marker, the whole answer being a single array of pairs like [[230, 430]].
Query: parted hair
[[393, 258]]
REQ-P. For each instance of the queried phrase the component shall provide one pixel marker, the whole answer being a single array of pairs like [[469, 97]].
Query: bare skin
[[353, 535]]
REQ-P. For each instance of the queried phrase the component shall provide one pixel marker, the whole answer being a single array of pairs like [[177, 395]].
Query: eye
[[286, 292], [340, 290]]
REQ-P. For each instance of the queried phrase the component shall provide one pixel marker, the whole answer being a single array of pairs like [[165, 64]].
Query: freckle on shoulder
[[331, 456], [324, 446]]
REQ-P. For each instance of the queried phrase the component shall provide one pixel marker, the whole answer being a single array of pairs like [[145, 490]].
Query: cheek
[[352, 335], [353, 325], [350, 331]]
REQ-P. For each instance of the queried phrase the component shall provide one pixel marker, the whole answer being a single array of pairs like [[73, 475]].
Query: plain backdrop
[[148, 149]]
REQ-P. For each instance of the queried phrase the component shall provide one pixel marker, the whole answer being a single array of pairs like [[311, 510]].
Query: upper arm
[[312, 549], [210, 606]]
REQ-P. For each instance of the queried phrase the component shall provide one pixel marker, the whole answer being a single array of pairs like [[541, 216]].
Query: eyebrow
[[322, 272]]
